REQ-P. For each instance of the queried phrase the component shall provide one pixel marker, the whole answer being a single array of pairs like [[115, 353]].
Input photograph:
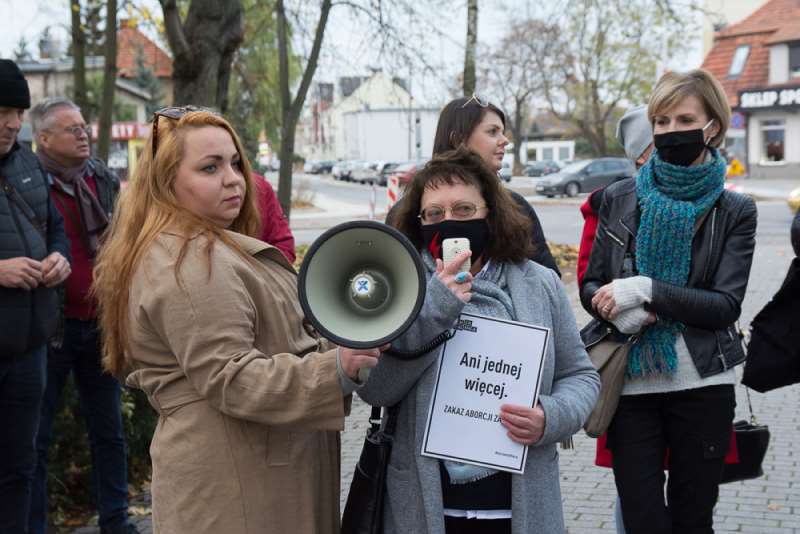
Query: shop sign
[[770, 99], [123, 131]]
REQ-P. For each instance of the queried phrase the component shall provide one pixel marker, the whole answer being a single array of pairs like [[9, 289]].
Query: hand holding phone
[[454, 246]]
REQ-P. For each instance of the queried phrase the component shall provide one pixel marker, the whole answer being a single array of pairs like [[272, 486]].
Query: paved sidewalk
[[767, 189]]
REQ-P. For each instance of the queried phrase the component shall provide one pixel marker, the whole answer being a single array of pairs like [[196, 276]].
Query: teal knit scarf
[[671, 198]]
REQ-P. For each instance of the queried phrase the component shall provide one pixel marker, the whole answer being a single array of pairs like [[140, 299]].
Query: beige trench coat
[[250, 411]]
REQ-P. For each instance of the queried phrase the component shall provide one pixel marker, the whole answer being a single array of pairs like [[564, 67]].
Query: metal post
[[372, 199]]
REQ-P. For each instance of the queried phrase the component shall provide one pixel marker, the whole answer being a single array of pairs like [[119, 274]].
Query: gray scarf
[[490, 298]]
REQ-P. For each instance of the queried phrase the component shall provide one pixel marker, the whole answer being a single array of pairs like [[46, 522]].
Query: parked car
[[364, 173], [505, 172], [585, 176], [405, 172], [384, 169], [541, 168], [344, 169], [322, 167]]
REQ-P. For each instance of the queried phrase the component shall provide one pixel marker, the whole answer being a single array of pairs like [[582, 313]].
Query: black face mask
[[476, 230], [681, 148]]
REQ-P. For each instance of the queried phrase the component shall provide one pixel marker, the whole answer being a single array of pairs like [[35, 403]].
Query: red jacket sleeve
[[587, 237], [274, 227]]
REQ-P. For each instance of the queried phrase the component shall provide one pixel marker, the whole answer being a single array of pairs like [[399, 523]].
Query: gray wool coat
[[570, 386]]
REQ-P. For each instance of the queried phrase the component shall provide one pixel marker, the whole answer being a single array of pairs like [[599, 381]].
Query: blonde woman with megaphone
[[204, 318]]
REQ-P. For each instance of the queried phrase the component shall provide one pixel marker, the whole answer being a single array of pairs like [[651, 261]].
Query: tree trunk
[[290, 108], [79, 60], [202, 47], [469, 49], [109, 79], [516, 131]]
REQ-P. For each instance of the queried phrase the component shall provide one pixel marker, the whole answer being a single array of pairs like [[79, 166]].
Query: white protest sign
[[489, 362]]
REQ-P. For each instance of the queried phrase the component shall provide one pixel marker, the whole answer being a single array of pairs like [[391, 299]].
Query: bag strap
[[391, 419], [745, 342]]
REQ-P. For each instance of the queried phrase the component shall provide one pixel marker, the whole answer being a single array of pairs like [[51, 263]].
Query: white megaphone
[[361, 284]]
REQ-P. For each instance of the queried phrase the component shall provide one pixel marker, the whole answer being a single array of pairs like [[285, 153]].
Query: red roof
[[777, 21], [768, 18], [129, 41]]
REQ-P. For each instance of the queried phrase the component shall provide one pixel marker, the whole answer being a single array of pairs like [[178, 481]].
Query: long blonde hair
[[146, 207]]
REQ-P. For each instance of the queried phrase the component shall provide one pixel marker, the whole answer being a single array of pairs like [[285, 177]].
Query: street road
[[560, 217]]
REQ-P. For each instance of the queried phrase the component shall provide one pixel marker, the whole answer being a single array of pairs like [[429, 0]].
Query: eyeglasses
[[174, 113], [459, 210], [78, 131], [482, 102]]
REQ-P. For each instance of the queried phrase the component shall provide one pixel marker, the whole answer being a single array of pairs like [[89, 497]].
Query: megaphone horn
[[361, 284]]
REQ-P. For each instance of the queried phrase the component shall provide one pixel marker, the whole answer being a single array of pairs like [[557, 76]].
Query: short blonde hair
[[675, 86]]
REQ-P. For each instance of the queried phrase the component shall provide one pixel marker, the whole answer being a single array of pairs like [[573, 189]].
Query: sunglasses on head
[[482, 102], [174, 113]]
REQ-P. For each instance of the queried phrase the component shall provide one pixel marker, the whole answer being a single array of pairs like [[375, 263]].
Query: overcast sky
[[347, 52]]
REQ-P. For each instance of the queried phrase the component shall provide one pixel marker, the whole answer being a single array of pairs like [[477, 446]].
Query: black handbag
[[363, 512], [752, 441]]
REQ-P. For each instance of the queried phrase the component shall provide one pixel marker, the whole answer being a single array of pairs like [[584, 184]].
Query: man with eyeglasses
[[33, 260], [84, 190]]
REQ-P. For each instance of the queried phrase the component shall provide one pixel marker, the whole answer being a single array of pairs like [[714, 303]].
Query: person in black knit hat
[[33, 261]]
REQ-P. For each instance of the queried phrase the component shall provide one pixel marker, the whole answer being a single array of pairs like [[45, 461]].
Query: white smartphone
[[453, 247]]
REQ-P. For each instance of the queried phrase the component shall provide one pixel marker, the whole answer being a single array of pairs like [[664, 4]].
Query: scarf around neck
[[490, 297], [671, 199], [71, 181]]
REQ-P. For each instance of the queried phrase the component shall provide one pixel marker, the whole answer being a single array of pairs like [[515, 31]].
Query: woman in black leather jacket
[[670, 264]]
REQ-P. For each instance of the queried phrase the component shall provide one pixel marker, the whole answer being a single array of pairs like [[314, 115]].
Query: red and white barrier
[[393, 190]]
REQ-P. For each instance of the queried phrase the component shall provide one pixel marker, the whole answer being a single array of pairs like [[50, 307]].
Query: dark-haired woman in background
[[479, 125]]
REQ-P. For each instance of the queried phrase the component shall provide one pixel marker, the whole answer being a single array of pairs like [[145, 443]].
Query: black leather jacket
[[710, 304]]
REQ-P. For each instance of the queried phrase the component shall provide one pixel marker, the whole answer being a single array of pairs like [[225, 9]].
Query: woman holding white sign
[[456, 195]]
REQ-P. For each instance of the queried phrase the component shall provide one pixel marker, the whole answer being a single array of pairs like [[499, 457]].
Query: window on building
[[773, 133], [739, 60], [563, 153], [794, 60], [547, 153]]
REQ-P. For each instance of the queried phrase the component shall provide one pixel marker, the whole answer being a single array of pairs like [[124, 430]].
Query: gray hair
[[41, 112]]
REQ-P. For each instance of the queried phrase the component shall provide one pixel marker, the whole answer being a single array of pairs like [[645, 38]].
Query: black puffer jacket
[[710, 304], [796, 233], [30, 226]]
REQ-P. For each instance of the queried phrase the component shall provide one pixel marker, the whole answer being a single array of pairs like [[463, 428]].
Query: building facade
[[758, 63], [342, 117]]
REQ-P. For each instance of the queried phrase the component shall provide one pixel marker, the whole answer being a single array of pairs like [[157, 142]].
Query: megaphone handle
[[424, 349], [363, 374]]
